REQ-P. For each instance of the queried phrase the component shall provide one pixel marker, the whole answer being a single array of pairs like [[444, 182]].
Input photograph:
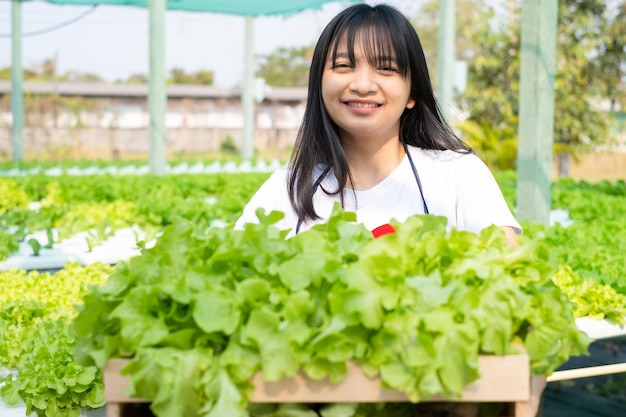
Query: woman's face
[[364, 99]]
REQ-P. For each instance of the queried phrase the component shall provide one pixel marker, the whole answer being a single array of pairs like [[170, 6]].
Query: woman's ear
[[410, 104]]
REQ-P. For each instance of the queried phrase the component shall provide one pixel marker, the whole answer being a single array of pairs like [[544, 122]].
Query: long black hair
[[386, 32]]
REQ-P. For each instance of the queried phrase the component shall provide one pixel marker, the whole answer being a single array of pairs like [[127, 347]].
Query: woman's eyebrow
[[381, 58], [342, 54], [387, 58]]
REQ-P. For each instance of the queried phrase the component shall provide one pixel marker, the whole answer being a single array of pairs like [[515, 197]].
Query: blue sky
[[112, 41]]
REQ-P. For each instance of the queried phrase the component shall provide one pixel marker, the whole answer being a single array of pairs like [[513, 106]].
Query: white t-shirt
[[455, 185]]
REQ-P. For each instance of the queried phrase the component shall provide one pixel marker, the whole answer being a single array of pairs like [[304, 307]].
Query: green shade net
[[238, 7]]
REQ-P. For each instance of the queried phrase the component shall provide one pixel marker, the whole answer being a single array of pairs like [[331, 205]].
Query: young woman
[[373, 138]]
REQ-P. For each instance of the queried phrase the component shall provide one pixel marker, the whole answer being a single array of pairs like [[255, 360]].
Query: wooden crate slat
[[503, 379]]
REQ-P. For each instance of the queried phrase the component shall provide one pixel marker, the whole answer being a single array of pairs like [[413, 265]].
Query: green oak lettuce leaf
[[225, 397], [217, 311], [551, 337], [280, 342], [241, 361], [170, 378], [316, 260], [141, 317], [347, 236]]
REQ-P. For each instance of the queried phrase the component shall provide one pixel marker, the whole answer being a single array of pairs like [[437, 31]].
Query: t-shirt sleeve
[[481, 202], [271, 196]]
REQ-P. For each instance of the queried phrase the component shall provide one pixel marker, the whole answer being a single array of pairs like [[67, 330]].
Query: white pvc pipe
[[587, 372]]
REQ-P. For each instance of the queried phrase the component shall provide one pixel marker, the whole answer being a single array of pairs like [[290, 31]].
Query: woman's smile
[[363, 107]]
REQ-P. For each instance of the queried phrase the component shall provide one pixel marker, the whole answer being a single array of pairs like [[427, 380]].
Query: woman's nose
[[363, 80]]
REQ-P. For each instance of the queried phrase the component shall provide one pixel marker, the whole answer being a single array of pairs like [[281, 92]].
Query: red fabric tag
[[385, 229]]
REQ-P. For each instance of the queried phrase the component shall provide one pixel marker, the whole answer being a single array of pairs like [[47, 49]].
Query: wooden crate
[[504, 379]]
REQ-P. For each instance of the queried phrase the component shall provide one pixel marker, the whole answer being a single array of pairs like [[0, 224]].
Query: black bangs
[[381, 41]]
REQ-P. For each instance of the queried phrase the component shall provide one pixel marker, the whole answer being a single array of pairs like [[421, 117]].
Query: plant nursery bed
[[504, 379]]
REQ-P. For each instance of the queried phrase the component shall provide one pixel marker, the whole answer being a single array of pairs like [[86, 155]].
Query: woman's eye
[[342, 65], [388, 69]]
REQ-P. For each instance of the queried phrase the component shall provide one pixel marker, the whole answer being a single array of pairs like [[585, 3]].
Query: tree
[[46, 71], [135, 79], [581, 55], [201, 77], [492, 93], [475, 14], [608, 73], [27, 74], [5, 73], [287, 67], [204, 77]]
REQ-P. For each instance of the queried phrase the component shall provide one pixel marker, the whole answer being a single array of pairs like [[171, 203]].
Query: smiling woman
[[373, 138]]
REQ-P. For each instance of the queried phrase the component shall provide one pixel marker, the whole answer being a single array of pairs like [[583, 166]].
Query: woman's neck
[[370, 163]]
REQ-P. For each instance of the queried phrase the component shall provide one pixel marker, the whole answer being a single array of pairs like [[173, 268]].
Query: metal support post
[[536, 114], [157, 95]]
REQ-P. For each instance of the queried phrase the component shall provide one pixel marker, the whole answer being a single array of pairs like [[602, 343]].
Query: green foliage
[[474, 16], [205, 309], [9, 244], [35, 339], [578, 121], [200, 77], [27, 75], [46, 71], [11, 196], [492, 92], [607, 73], [134, 79], [177, 76], [228, 147], [287, 67], [497, 148]]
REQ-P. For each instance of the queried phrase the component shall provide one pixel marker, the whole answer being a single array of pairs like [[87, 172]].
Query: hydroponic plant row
[[131, 169]]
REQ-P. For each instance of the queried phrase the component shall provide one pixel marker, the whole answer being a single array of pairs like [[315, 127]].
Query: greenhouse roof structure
[[238, 7]]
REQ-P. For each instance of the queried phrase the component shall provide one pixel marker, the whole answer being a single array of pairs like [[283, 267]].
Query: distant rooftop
[[141, 90]]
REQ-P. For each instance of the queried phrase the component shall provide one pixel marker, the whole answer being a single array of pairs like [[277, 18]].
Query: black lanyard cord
[[417, 177], [316, 184], [327, 170]]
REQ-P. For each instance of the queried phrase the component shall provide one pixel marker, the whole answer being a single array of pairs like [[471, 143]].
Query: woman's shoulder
[[281, 177], [449, 156], [277, 177], [461, 166], [279, 174], [274, 185]]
